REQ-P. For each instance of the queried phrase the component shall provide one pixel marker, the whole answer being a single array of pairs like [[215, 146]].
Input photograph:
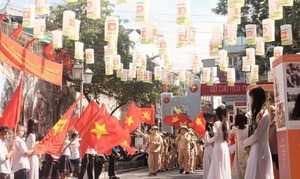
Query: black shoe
[[114, 177], [154, 174], [187, 172], [181, 171]]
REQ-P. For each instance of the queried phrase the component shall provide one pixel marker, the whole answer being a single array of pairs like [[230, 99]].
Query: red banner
[[17, 56], [222, 89]]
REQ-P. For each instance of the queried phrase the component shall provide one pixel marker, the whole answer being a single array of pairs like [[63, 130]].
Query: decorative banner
[[68, 23], [206, 75], [136, 58], [119, 72], [57, 38], [195, 62], [231, 76], [248, 78], [143, 62], [93, 8], [286, 2], [142, 11], [286, 34], [271, 62], [254, 74], [246, 64], [108, 67], [111, 29], [116, 62], [191, 34], [162, 46], [78, 51], [28, 16], [268, 30], [250, 54], [123, 2], [75, 34], [15, 55], [260, 46], [41, 7], [146, 76], [149, 33], [89, 56], [139, 74], [181, 74], [158, 73], [234, 16], [183, 12], [213, 51], [251, 34], [236, 3], [223, 60], [230, 34], [181, 37], [216, 38], [213, 73], [39, 28], [275, 10], [124, 76], [110, 49], [278, 51]]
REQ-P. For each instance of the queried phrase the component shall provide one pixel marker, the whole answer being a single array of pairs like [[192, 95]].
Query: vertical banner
[[42, 7], [250, 34], [68, 23], [260, 46], [78, 51], [39, 28], [231, 76], [89, 56], [57, 39], [142, 11], [216, 38], [236, 3], [223, 60], [75, 33], [268, 30], [116, 60], [234, 16], [183, 12], [109, 67], [278, 51], [275, 10], [191, 35], [162, 46], [250, 54], [93, 9], [158, 73], [28, 16], [286, 34], [230, 34], [111, 29], [246, 64], [181, 37]]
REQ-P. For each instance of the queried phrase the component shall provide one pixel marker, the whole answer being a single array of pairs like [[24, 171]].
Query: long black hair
[[31, 127], [240, 121], [259, 97], [221, 112], [296, 110], [209, 128]]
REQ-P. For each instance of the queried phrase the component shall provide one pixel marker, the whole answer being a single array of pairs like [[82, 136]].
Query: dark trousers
[[87, 164], [4, 176], [275, 160], [111, 166], [21, 174], [75, 167], [98, 166]]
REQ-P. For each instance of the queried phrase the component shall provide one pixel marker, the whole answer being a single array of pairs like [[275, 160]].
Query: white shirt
[[4, 163], [20, 161], [66, 151], [74, 148]]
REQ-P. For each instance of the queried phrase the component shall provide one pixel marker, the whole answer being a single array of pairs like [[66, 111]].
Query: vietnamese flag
[[59, 56], [132, 118], [126, 145], [16, 33], [67, 62], [148, 115], [198, 124], [11, 114], [49, 51], [175, 120], [73, 121], [53, 141]]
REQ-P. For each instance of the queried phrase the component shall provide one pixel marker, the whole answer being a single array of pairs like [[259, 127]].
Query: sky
[[163, 13]]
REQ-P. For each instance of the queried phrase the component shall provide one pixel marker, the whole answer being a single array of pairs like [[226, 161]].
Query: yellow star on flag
[[129, 120], [125, 143], [99, 130], [175, 119], [198, 121], [146, 115], [59, 126]]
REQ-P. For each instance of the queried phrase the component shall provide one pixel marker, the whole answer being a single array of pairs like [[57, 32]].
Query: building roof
[[10, 10]]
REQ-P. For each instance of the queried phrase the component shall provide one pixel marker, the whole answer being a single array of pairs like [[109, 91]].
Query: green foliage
[[92, 35]]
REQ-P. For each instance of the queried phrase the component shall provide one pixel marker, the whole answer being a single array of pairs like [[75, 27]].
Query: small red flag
[[11, 114], [16, 33], [198, 124], [49, 51], [67, 62], [148, 114], [59, 56], [132, 118], [175, 120]]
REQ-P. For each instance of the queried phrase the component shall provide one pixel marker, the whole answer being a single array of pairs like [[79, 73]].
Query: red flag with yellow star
[[53, 141], [148, 114], [126, 145], [132, 118], [175, 120], [198, 124]]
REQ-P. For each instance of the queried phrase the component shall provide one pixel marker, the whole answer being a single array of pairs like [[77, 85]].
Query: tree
[[92, 35]]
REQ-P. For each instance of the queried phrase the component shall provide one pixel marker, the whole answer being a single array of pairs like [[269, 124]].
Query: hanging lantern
[[162, 46], [191, 35], [68, 23], [260, 46], [268, 30], [286, 2], [216, 38], [78, 50], [278, 51], [231, 76], [39, 28], [119, 72], [116, 59], [250, 54], [236, 3], [41, 7], [230, 34], [75, 34], [142, 11], [124, 76], [149, 33], [93, 8], [181, 37], [234, 16], [139, 74], [158, 73], [123, 2], [254, 74], [213, 51], [223, 60], [89, 56], [251, 34], [275, 10], [246, 64], [111, 29], [57, 39], [183, 12], [109, 67], [272, 59], [206, 75], [28, 16], [286, 34]]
